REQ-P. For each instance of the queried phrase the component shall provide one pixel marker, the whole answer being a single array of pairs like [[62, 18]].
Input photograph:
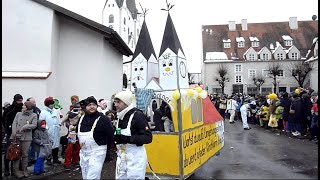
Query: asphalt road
[[253, 154], [261, 154]]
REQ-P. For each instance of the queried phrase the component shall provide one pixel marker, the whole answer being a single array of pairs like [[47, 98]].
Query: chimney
[[244, 25], [293, 23], [271, 46], [232, 25]]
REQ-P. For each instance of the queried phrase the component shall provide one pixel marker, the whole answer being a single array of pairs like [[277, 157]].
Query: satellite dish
[[314, 17]]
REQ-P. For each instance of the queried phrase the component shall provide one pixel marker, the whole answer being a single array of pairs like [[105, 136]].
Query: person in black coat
[[133, 132], [7, 119], [158, 114], [285, 102], [94, 130], [296, 105]]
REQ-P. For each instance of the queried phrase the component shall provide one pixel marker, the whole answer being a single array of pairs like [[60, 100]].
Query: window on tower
[[111, 18]]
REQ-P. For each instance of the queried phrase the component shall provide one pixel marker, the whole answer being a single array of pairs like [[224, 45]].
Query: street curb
[[46, 175]]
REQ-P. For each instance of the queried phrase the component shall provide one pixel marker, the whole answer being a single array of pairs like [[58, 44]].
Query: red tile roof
[[266, 33]]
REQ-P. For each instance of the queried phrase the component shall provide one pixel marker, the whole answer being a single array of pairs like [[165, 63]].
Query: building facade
[[50, 51], [247, 50], [122, 16]]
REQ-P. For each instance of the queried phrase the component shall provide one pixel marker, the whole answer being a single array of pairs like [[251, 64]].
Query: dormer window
[[287, 40], [265, 56], [294, 56], [240, 42], [254, 41], [251, 57], [226, 43], [280, 56]]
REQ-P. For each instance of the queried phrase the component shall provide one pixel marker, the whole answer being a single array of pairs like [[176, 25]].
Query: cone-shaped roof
[[170, 38], [144, 45]]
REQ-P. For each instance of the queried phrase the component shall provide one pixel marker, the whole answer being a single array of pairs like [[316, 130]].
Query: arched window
[[111, 18]]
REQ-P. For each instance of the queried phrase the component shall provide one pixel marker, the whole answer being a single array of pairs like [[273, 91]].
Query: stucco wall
[[86, 65], [26, 43]]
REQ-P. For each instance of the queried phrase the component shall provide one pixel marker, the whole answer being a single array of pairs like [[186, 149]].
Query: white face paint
[[167, 67], [139, 72]]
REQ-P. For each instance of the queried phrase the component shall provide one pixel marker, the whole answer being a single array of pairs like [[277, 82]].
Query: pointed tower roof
[[170, 38], [144, 45]]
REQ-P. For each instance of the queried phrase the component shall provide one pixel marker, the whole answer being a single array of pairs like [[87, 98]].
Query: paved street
[[253, 154], [261, 154]]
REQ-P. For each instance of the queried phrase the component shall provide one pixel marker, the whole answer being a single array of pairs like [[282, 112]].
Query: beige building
[[248, 49]]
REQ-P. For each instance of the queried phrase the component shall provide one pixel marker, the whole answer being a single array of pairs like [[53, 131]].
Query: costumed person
[[278, 114], [244, 114], [7, 118], [40, 139], [264, 115], [94, 131], [22, 126], [73, 146], [273, 98], [134, 133], [52, 118], [231, 108]]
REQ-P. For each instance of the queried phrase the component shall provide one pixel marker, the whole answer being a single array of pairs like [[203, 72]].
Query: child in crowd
[[40, 138]]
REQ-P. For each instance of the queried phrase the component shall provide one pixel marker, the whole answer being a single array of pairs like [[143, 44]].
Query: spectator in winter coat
[[296, 105], [94, 131], [135, 132], [40, 138], [8, 116], [22, 126], [306, 112], [285, 102], [111, 146], [32, 158], [52, 118]]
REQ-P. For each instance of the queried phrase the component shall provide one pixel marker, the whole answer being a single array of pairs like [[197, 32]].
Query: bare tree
[[274, 70], [299, 71], [258, 81], [223, 78]]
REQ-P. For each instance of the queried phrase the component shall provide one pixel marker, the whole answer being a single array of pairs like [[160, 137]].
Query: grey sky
[[188, 17]]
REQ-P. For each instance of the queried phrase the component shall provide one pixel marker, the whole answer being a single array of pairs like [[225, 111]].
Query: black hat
[[91, 99], [17, 97], [82, 102]]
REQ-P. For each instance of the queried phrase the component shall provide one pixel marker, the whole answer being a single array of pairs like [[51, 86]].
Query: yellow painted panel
[[163, 154], [200, 144]]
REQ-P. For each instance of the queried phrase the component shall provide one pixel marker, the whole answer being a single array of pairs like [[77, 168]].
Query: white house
[[51, 51]]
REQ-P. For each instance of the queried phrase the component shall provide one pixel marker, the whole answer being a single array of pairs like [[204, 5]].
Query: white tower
[[144, 65], [173, 72]]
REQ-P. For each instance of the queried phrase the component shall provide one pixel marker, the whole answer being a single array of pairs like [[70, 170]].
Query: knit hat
[[17, 97], [125, 96], [91, 99], [29, 105], [43, 122], [314, 94], [48, 101]]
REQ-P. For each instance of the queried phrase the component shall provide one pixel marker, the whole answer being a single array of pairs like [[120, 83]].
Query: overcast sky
[[188, 17]]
